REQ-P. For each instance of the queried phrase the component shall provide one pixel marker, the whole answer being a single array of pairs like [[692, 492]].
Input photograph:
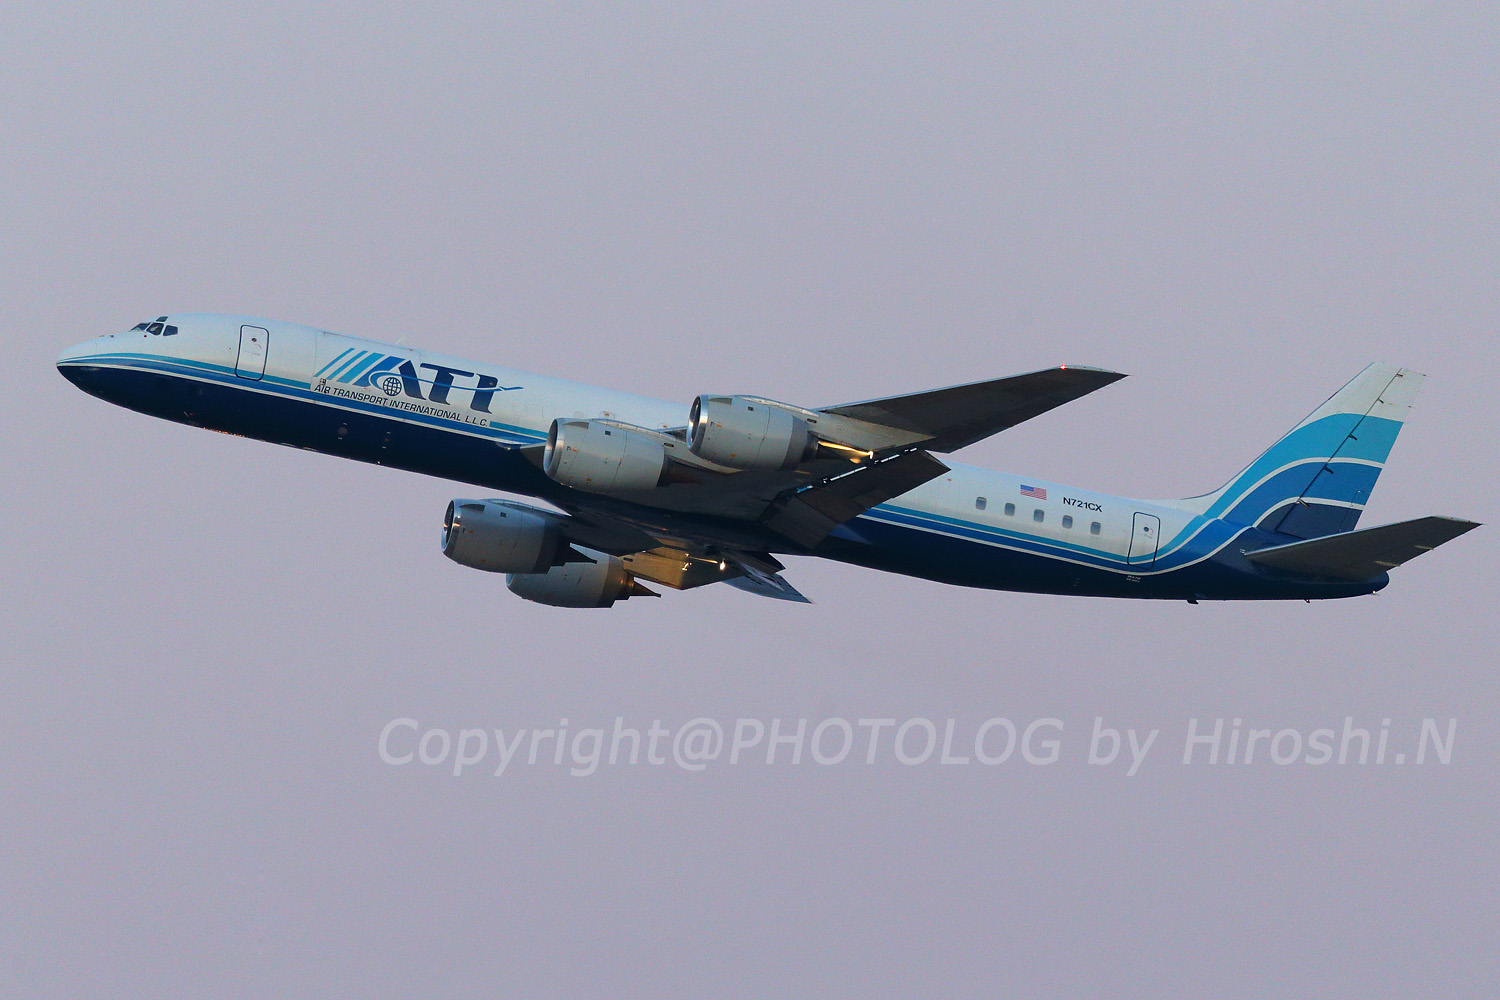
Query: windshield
[[157, 327]]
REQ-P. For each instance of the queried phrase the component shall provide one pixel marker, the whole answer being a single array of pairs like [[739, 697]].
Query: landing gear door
[[1144, 536], [251, 362]]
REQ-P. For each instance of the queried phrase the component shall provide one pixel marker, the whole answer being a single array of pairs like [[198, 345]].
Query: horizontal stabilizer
[[1360, 555]]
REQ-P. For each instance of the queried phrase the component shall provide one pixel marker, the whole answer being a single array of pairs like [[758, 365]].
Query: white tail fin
[[1316, 480]]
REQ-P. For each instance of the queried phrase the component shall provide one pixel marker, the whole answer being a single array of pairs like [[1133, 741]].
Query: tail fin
[[1316, 480]]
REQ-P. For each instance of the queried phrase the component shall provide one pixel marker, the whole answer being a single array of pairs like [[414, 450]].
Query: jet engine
[[595, 584], [500, 538], [747, 433], [603, 457]]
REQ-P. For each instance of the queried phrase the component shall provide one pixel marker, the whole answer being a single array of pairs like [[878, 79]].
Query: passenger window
[[1067, 520], [1038, 516], [1010, 510], [980, 503], [1094, 528]]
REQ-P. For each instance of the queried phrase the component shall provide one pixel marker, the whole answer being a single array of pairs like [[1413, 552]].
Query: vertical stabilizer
[[1317, 479]]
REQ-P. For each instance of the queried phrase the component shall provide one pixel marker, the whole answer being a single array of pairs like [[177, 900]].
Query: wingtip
[[1110, 375]]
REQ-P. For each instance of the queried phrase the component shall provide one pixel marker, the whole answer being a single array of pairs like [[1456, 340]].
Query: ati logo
[[1082, 503], [394, 375]]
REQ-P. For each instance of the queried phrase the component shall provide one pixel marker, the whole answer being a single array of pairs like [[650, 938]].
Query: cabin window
[[1094, 528], [1038, 515], [980, 503], [1067, 520], [1010, 510]]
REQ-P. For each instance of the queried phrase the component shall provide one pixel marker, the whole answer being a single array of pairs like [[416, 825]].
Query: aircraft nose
[[87, 349], [71, 361], [67, 361]]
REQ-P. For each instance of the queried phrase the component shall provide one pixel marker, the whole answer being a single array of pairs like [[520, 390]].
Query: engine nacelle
[[603, 457], [595, 584], [499, 538], [746, 433]]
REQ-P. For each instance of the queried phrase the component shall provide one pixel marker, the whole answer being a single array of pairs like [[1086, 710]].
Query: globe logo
[[390, 385]]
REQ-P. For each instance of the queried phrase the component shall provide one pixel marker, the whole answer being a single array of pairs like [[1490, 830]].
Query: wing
[[769, 585], [727, 520], [945, 420]]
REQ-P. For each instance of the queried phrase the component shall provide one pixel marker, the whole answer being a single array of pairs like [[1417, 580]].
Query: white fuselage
[[281, 381]]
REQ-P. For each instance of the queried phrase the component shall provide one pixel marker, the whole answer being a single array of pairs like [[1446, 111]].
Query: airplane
[[648, 491]]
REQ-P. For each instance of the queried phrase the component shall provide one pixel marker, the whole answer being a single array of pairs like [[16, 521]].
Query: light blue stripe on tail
[[1317, 479]]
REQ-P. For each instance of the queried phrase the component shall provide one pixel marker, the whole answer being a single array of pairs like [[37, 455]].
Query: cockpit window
[[160, 328]]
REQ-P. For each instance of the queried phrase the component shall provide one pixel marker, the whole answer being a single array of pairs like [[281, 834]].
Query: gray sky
[[204, 636]]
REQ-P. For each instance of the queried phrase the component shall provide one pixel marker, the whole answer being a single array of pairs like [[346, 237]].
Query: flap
[[807, 517]]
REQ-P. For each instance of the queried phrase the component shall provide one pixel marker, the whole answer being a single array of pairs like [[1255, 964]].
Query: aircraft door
[[1144, 537], [251, 362]]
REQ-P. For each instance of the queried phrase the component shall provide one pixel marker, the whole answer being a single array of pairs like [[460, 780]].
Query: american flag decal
[[1035, 492]]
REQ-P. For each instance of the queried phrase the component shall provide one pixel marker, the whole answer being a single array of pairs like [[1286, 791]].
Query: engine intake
[[500, 538], [746, 433], [602, 457]]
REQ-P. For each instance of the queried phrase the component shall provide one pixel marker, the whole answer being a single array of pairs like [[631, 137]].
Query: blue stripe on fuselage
[[272, 384]]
